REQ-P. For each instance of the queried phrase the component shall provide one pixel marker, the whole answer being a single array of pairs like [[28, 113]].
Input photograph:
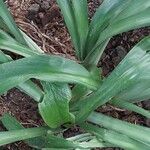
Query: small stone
[[38, 1], [34, 8], [121, 52], [45, 5]]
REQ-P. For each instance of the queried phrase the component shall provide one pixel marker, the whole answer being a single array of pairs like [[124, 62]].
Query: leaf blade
[[81, 19], [44, 68], [115, 138], [54, 107], [134, 131], [8, 20]]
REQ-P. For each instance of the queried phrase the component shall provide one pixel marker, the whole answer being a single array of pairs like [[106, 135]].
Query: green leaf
[[52, 142], [113, 18], [131, 94], [143, 86], [94, 56], [80, 11], [4, 58], [69, 18], [132, 9], [3, 26], [46, 68], [32, 45], [128, 74], [88, 140], [80, 91], [28, 87], [54, 107], [76, 17], [9, 22], [103, 17], [7, 137], [136, 132], [57, 142], [12, 124], [129, 106], [35, 135], [115, 138], [136, 21], [32, 90], [139, 92], [9, 44]]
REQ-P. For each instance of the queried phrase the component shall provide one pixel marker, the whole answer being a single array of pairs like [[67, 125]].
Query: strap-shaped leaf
[[32, 90], [126, 75], [80, 11], [51, 141], [80, 91], [9, 44], [75, 14], [69, 18], [9, 22], [116, 17], [3, 26], [48, 141], [88, 140], [54, 107], [45, 140], [130, 106], [7, 137], [94, 56], [132, 22], [115, 138], [57, 142], [28, 87], [131, 94], [3, 57], [10, 123], [136, 132], [103, 17], [143, 86], [46, 68], [132, 9], [31, 44]]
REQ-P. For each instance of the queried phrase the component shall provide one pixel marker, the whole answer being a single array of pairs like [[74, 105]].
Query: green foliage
[[70, 91], [56, 104], [45, 68], [121, 127], [114, 137]]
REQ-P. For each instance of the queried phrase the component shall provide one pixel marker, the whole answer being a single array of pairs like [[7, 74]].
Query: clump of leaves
[[61, 105]]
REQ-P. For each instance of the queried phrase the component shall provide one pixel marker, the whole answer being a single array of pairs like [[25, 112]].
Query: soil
[[42, 21]]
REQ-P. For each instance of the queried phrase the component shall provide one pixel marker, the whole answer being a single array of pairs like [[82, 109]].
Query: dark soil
[[42, 21]]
